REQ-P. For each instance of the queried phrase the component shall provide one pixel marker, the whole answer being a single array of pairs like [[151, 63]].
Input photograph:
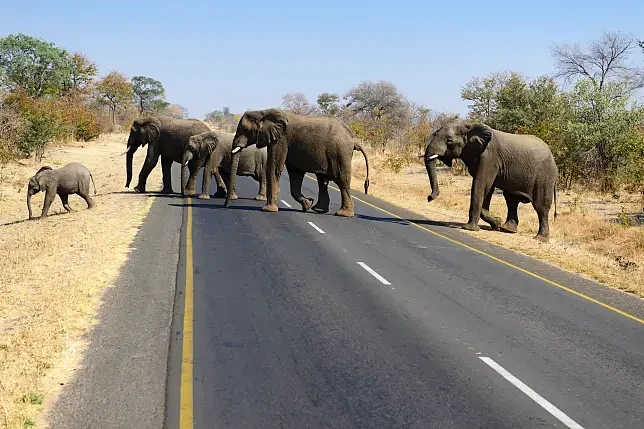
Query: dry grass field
[[598, 236], [55, 270]]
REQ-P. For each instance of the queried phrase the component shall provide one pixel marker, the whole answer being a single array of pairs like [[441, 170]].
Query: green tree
[[226, 111], [482, 93], [329, 103], [81, 75], [114, 91], [149, 94], [33, 65]]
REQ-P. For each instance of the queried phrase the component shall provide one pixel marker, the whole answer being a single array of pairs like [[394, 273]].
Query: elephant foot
[[495, 223], [234, 196], [344, 212], [509, 227], [140, 189], [166, 190], [220, 193], [320, 209], [270, 208], [260, 197], [204, 197], [471, 226], [306, 204], [541, 238]]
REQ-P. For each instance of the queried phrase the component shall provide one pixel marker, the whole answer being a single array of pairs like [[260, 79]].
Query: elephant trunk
[[185, 173], [233, 177], [29, 193], [430, 166], [128, 165]]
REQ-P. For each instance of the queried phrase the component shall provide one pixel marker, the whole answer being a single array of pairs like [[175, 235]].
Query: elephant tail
[[92, 177], [555, 191], [358, 147]]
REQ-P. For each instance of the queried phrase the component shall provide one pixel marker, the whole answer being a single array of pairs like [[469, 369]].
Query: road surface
[[300, 320]]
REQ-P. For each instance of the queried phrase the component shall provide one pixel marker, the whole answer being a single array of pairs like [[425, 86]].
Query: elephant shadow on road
[[426, 222], [211, 206]]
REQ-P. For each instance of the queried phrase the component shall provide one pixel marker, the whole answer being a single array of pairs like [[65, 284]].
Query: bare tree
[[604, 60], [378, 100], [297, 103]]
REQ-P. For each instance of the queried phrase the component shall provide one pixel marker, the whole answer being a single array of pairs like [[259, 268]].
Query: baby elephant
[[73, 178], [216, 148]]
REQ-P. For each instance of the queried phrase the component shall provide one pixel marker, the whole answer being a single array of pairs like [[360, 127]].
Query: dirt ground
[[55, 270], [597, 236]]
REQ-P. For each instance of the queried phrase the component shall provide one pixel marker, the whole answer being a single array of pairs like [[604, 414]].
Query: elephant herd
[[266, 141]]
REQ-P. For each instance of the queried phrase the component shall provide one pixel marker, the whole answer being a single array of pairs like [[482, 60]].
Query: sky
[[247, 54]]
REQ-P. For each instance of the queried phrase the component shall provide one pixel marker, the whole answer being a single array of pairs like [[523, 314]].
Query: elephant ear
[[478, 137], [43, 181], [272, 126], [152, 131], [209, 144]]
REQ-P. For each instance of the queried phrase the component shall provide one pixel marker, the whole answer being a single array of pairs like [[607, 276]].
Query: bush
[[396, 162], [11, 128]]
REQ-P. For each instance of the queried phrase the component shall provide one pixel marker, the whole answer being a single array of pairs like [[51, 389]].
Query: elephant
[[521, 165], [166, 137], [215, 149], [72, 178], [319, 144]]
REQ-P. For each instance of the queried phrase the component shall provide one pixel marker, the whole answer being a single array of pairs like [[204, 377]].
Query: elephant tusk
[[237, 149], [433, 157]]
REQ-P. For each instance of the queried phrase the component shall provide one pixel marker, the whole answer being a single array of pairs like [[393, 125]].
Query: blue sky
[[247, 54]]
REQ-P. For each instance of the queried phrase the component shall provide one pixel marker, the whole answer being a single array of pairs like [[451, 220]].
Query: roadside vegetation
[[55, 109]]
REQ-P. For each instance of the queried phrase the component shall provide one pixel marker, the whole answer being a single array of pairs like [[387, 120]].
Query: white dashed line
[[286, 204], [316, 227], [373, 273], [563, 418]]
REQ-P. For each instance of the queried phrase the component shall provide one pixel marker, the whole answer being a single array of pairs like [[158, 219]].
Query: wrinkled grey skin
[[72, 178], [166, 137], [317, 144], [214, 148], [521, 165]]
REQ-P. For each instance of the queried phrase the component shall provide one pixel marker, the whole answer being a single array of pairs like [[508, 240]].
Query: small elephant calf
[[72, 178]]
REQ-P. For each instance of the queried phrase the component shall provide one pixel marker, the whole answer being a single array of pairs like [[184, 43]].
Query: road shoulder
[[121, 380]]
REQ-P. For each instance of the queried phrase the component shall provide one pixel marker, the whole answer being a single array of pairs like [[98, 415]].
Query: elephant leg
[[542, 205], [166, 167], [220, 180], [151, 160], [261, 193], [296, 176], [49, 198], [512, 222], [481, 185], [64, 198], [344, 183], [322, 206], [276, 157], [486, 215], [90, 202], [193, 167]]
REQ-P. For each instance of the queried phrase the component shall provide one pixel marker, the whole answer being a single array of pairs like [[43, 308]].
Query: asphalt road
[[302, 320]]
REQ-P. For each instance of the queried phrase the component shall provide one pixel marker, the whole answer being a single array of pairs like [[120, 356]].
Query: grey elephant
[[319, 144], [72, 178], [167, 138], [520, 165], [215, 149]]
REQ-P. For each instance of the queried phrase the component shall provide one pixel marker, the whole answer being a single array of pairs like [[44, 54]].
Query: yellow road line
[[186, 407], [567, 289]]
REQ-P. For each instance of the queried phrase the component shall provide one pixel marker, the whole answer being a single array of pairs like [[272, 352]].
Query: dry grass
[[55, 271], [591, 235]]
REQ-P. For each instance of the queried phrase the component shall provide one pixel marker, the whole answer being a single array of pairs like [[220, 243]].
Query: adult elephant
[[318, 144], [166, 137], [521, 165]]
